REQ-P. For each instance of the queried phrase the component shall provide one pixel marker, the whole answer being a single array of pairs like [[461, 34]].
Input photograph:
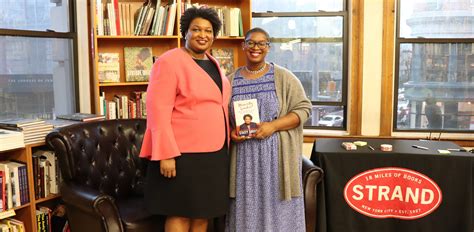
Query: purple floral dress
[[258, 205]]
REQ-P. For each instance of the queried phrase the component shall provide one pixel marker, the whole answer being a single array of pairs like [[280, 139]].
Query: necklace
[[256, 71]]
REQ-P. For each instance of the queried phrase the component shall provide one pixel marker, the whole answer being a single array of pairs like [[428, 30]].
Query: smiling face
[[256, 48], [199, 36], [247, 120]]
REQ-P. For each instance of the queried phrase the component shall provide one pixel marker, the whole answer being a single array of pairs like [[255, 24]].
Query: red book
[[2, 192], [117, 16]]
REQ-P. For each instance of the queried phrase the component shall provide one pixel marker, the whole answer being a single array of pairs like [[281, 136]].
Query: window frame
[[72, 35], [397, 43], [344, 14]]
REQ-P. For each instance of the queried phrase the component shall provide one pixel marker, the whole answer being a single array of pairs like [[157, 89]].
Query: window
[[37, 59], [434, 66], [310, 39]]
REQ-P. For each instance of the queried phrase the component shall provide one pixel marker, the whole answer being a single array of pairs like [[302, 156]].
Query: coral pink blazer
[[186, 111]]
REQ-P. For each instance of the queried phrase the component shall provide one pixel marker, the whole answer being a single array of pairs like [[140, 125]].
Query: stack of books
[[10, 139], [34, 130]]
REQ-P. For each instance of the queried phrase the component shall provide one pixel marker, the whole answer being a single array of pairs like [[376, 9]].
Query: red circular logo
[[392, 192]]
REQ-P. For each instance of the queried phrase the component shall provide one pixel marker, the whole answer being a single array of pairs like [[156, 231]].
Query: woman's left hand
[[265, 130]]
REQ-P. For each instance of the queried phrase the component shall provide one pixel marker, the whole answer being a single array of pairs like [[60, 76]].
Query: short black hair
[[208, 14], [248, 115], [257, 29]]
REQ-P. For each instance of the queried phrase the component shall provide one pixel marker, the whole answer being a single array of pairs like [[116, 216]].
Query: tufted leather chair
[[103, 178], [312, 175]]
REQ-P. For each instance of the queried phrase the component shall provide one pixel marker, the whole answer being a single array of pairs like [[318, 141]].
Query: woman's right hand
[[168, 168], [236, 138]]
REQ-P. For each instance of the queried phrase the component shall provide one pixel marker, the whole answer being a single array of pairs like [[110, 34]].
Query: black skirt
[[199, 190]]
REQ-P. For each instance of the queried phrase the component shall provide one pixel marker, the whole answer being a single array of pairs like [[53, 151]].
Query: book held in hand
[[83, 117], [247, 117]]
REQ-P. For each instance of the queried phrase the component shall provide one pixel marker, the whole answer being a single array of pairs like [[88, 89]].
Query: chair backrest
[[102, 155]]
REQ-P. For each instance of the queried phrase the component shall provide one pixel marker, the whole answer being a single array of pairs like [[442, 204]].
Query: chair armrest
[[92, 202], [311, 175]]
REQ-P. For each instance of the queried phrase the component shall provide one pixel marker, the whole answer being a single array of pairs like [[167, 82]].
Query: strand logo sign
[[392, 192]]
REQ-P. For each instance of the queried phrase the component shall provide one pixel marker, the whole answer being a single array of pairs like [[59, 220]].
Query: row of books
[[14, 185], [46, 173], [138, 62], [124, 106], [12, 225], [135, 18], [231, 18]]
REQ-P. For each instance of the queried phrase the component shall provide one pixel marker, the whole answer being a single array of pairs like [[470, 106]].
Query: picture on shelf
[[247, 117], [109, 67], [138, 63], [225, 57]]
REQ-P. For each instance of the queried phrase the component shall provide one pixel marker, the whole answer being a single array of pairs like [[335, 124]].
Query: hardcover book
[[83, 117], [138, 62], [225, 57], [247, 117], [109, 67], [19, 122]]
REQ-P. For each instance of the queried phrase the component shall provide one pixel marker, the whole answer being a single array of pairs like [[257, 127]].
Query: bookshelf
[[27, 212], [159, 45]]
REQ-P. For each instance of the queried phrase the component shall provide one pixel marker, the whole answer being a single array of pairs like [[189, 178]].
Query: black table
[[434, 193]]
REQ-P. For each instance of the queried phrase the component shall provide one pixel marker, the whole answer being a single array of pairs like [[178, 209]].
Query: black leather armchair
[[103, 178], [312, 175]]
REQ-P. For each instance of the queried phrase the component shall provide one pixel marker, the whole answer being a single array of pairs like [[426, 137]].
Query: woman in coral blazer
[[187, 129]]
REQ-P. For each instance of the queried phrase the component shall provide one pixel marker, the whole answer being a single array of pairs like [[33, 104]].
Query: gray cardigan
[[292, 98]]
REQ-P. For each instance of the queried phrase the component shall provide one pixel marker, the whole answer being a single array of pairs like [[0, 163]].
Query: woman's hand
[[168, 168], [265, 130], [236, 138]]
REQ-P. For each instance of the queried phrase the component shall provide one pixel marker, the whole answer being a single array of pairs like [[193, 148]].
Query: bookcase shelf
[[159, 44], [138, 37], [123, 84], [27, 212]]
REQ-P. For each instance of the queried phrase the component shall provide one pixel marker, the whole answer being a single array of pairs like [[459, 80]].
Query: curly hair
[[208, 14], [257, 29]]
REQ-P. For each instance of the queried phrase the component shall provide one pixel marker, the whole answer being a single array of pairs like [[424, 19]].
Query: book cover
[[19, 122], [138, 62], [225, 57], [109, 67], [247, 117], [83, 117]]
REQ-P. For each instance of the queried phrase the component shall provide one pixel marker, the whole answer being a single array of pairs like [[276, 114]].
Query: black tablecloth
[[453, 173]]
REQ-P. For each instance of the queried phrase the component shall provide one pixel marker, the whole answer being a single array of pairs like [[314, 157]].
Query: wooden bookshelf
[[27, 212], [159, 45]]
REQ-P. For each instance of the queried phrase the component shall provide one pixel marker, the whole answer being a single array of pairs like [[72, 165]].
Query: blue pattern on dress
[[258, 205]]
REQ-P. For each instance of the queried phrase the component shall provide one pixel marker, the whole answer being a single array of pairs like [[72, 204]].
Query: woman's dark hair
[[257, 29], [248, 115], [208, 14]]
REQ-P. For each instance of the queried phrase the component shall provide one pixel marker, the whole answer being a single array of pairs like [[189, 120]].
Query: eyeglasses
[[261, 44]]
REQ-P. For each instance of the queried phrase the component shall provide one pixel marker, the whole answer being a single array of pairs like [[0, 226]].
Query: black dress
[[201, 186]]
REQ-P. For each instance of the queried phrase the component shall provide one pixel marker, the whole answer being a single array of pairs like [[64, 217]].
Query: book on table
[[83, 117], [19, 122]]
